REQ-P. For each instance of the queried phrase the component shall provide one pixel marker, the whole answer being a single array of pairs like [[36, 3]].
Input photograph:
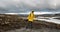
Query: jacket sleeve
[[28, 16]]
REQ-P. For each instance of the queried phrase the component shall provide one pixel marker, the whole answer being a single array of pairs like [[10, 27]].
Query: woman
[[30, 17]]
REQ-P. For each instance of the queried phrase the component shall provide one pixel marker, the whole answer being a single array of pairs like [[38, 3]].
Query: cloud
[[34, 3], [23, 5]]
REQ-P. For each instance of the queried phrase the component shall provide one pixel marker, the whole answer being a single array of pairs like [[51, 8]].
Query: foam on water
[[36, 13]]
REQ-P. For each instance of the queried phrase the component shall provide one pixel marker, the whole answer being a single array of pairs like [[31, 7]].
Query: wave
[[36, 13]]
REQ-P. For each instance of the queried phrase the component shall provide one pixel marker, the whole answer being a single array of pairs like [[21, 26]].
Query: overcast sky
[[28, 5]]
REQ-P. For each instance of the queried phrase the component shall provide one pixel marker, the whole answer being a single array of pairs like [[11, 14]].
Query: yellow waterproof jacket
[[31, 17]]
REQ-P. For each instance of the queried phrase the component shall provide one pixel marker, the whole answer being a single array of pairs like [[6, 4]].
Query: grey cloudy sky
[[27, 5]]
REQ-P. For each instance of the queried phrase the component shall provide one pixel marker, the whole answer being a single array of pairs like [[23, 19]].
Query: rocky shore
[[12, 22]]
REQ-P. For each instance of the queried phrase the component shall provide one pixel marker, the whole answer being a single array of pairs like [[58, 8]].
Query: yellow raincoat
[[31, 17]]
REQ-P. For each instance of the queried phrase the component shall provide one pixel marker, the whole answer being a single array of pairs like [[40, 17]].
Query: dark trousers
[[29, 25]]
